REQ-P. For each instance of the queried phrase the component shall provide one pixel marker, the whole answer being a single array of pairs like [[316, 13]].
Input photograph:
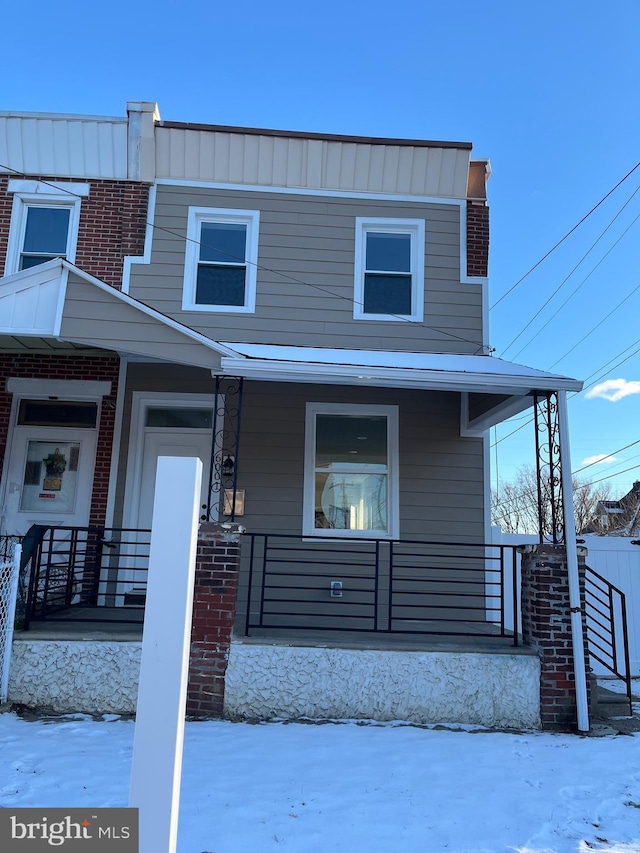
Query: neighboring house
[[305, 312], [618, 518]]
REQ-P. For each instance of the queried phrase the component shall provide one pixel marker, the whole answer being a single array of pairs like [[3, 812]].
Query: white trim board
[[391, 413], [461, 203], [66, 389], [140, 402]]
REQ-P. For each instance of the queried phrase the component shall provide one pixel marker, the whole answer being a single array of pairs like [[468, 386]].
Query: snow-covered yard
[[348, 787]]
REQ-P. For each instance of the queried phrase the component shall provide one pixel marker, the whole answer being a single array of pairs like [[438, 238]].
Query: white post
[[162, 691], [12, 597], [577, 639]]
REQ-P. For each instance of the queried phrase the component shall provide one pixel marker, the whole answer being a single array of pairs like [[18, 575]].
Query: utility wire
[[597, 326], [566, 279], [263, 268], [466, 340], [576, 289], [568, 234]]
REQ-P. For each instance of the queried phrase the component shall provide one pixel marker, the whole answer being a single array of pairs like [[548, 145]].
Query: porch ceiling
[[493, 389], [59, 301]]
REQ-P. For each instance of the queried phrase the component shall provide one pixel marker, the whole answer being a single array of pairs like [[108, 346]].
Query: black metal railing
[[89, 574], [393, 587], [606, 622]]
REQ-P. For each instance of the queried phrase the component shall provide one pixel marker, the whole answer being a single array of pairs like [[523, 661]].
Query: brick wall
[[214, 609], [112, 225], [100, 368], [477, 238], [546, 627]]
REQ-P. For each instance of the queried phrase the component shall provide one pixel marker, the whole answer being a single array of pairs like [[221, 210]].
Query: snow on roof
[[442, 363]]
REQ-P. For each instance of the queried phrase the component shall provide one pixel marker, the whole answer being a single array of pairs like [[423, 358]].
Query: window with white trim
[[351, 471], [389, 269], [44, 223], [221, 260]]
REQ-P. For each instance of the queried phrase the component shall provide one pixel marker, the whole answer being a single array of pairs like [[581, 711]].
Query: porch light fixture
[[228, 466]]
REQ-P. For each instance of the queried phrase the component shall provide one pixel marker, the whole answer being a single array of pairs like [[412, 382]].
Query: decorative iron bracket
[[548, 467], [225, 444]]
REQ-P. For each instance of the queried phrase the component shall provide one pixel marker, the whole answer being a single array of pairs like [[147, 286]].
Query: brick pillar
[[546, 627], [214, 610]]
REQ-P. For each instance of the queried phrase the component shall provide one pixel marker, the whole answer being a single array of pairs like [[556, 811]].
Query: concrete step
[[608, 703]]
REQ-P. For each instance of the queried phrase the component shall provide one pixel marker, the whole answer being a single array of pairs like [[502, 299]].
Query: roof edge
[[329, 137]]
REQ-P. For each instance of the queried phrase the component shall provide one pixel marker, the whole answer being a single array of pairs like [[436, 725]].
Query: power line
[[576, 289], [597, 326], [566, 279], [568, 234], [587, 485], [263, 268], [613, 453], [308, 284]]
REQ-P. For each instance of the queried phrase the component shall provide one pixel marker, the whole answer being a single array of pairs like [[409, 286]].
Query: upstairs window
[[221, 260], [46, 235], [44, 223], [389, 269]]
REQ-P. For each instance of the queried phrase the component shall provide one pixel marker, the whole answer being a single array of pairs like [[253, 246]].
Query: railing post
[[96, 566], [502, 600], [263, 581], [390, 606], [376, 582], [514, 572], [247, 621], [625, 641]]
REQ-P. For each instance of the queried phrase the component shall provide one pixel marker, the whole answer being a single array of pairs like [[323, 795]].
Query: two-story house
[[307, 313]]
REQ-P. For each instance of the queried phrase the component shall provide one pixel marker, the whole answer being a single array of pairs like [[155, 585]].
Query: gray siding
[[441, 498], [306, 247], [100, 318], [441, 474]]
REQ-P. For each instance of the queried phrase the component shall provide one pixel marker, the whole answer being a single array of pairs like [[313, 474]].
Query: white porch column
[[572, 566]]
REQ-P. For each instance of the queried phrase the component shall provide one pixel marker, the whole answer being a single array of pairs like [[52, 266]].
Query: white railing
[[9, 575]]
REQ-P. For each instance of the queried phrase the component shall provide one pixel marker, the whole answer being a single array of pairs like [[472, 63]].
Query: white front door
[[170, 442], [48, 479], [164, 424]]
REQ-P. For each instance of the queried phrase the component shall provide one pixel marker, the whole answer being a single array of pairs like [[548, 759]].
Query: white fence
[[9, 573], [617, 560]]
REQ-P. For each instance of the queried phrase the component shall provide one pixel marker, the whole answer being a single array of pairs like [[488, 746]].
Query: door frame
[[35, 389], [140, 402]]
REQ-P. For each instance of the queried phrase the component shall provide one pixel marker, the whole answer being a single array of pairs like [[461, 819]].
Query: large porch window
[[351, 486]]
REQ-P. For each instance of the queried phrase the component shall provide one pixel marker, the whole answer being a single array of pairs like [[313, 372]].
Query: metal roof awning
[[493, 389]]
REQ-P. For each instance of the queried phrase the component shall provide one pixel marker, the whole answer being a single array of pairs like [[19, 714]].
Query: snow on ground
[[297, 788]]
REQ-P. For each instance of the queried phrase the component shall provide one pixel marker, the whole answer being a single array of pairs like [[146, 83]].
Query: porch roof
[[493, 389], [60, 301]]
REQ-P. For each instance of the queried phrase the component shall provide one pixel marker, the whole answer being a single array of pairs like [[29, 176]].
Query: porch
[[363, 593]]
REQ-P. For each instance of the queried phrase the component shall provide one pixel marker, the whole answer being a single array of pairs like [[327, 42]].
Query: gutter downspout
[[572, 567]]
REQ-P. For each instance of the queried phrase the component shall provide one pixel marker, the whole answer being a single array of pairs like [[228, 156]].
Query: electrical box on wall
[[336, 589]]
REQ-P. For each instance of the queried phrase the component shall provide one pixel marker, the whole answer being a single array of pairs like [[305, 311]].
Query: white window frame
[[198, 215], [28, 194], [416, 230], [393, 478]]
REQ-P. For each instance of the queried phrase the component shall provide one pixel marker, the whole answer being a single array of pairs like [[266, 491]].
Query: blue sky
[[548, 91]]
